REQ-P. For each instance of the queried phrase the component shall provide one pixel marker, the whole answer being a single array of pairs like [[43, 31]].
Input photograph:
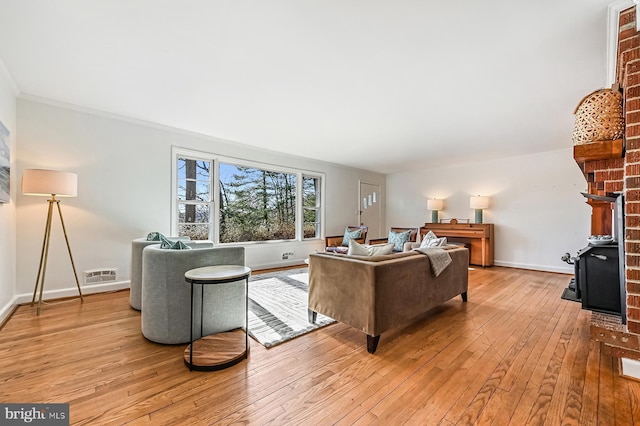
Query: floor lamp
[[52, 184]]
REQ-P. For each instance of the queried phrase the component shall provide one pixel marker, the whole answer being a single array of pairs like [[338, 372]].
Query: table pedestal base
[[217, 351]]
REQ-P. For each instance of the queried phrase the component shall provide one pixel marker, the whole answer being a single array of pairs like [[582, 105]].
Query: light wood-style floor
[[514, 354]]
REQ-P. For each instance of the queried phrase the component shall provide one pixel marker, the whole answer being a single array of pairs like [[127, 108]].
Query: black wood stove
[[598, 281]]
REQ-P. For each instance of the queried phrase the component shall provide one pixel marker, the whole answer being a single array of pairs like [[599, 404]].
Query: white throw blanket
[[438, 258]]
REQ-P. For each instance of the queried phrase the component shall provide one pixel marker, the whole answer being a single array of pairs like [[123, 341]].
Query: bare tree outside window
[[194, 198]]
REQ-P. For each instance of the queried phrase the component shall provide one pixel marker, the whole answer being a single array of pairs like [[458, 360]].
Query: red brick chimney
[[623, 174]]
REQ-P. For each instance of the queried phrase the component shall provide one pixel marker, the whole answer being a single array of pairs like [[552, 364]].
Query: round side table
[[219, 350]]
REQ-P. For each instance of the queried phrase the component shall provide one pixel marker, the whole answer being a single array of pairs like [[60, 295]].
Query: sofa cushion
[[358, 249], [398, 239], [349, 235]]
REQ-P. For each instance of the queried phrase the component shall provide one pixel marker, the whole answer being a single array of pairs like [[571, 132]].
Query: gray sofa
[[166, 296], [375, 294]]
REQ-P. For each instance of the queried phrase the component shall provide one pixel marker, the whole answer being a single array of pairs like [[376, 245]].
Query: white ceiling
[[379, 85]]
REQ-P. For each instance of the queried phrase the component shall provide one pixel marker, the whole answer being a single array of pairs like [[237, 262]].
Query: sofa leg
[[312, 316], [372, 343], [464, 296]]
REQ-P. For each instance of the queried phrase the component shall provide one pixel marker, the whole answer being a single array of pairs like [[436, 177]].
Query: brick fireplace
[[605, 176]]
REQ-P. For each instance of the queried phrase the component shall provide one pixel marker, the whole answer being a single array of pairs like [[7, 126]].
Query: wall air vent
[[98, 276]]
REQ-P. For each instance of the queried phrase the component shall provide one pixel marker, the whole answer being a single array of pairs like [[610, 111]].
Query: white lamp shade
[[49, 182], [434, 205], [479, 202]]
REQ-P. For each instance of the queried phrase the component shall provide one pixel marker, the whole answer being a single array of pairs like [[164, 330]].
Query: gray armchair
[[135, 292], [166, 296]]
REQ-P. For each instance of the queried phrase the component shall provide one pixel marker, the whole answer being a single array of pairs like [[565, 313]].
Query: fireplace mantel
[[600, 150]]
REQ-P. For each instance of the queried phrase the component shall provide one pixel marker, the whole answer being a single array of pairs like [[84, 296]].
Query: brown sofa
[[378, 293]]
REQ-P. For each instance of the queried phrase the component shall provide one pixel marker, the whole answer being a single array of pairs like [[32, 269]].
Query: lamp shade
[[49, 182], [434, 204], [479, 202]]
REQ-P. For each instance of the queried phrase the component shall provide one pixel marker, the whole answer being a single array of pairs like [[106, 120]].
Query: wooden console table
[[477, 236]]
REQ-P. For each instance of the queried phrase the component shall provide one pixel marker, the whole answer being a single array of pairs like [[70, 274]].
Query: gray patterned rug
[[278, 307]]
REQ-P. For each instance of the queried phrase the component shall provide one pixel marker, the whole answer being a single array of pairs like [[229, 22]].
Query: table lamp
[[434, 205], [479, 203]]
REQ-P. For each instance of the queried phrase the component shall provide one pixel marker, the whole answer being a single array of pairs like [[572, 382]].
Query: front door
[[370, 208]]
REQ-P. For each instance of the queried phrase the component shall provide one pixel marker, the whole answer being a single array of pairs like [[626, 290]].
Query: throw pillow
[[431, 240], [348, 235], [155, 236], [173, 245], [355, 248], [180, 245], [398, 239], [380, 249]]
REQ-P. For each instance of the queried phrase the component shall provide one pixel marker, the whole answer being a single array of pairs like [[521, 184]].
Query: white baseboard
[[7, 309], [284, 263], [544, 268], [73, 291]]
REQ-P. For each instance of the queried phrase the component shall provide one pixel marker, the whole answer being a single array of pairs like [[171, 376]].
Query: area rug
[[278, 307]]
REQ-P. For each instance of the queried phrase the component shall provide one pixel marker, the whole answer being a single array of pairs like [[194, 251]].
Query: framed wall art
[[5, 165]]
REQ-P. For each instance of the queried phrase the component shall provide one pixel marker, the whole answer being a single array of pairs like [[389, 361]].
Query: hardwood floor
[[514, 354]]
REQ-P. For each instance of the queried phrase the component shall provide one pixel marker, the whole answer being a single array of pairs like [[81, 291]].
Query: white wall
[[124, 190], [8, 93], [536, 204]]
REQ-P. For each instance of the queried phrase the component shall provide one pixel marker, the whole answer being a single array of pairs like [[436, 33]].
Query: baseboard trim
[[273, 265], [6, 312], [544, 268], [73, 291]]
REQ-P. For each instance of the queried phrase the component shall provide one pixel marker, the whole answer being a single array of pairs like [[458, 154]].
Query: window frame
[[175, 208], [216, 159]]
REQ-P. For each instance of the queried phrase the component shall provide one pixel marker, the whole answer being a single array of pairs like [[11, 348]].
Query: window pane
[[194, 180], [311, 230], [194, 169], [194, 231], [256, 204], [310, 191], [193, 213], [311, 207], [190, 190]]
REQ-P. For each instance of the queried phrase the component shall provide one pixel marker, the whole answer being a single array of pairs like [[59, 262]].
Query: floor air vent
[[98, 276]]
